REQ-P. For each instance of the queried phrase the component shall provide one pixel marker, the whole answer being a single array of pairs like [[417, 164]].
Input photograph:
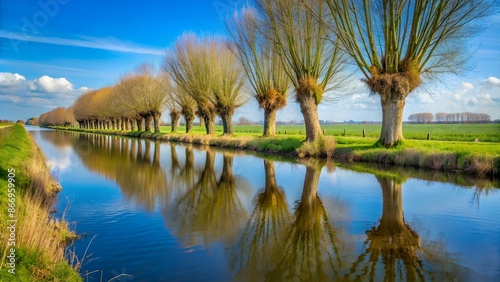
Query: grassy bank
[[474, 158], [489, 132], [27, 189]]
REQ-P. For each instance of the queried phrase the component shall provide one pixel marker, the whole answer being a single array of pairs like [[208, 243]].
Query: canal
[[166, 212]]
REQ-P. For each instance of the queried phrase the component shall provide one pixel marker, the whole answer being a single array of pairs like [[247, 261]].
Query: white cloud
[[11, 79], [51, 85], [492, 82], [38, 95], [467, 86]]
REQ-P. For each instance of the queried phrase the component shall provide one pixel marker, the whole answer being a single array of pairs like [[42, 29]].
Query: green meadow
[[438, 132]]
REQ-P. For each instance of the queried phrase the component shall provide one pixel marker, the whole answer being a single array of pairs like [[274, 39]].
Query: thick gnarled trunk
[[156, 121], [392, 120], [174, 121], [270, 122], [147, 122], [309, 110], [209, 118], [188, 113], [227, 123], [189, 123], [138, 122], [209, 124]]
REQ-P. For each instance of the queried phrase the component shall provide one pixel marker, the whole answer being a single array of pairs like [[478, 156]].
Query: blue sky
[[51, 51]]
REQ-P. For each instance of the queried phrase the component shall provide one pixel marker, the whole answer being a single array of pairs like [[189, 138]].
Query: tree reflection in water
[[252, 256], [397, 248], [312, 248], [130, 165], [212, 209]]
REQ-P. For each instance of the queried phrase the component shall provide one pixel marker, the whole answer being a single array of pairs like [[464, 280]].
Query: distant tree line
[[58, 116], [465, 117], [421, 118]]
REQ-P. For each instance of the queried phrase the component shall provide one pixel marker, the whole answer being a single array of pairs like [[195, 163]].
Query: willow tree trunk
[[147, 122], [202, 121], [189, 123], [309, 110], [227, 123], [270, 122], [131, 123], [174, 121], [156, 121], [392, 120], [138, 122], [209, 123]]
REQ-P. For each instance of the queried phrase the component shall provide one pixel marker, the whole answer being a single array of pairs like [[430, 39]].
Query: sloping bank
[[466, 158], [32, 244]]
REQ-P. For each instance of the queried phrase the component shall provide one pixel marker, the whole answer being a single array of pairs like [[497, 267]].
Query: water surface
[[165, 212]]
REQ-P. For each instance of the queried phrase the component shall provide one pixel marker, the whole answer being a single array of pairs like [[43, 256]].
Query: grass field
[[439, 132]]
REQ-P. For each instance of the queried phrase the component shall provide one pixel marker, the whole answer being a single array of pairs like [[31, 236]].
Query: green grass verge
[[32, 263], [489, 132], [474, 158]]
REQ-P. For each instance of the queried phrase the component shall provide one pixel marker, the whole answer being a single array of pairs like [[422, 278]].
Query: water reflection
[[394, 248], [256, 252], [312, 249], [126, 161], [211, 210], [203, 202]]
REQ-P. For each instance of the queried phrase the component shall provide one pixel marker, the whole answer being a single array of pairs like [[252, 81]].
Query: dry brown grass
[[323, 147], [38, 232], [478, 166]]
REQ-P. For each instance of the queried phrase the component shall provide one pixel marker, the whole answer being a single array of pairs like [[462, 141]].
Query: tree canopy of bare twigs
[[227, 83], [207, 71], [263, 68], [396, 44], [313, 64], [187, 64]]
